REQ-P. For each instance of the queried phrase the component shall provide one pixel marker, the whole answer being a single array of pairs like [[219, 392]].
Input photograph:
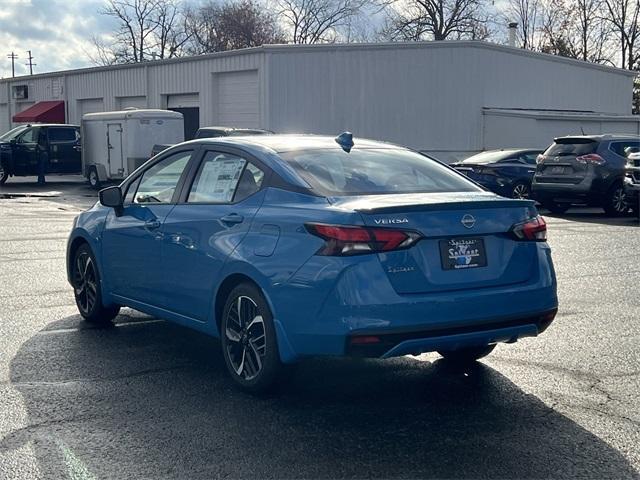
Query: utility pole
[[13, 57], [31, 64]]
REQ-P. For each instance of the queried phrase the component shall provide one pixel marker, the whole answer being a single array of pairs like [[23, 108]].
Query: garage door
[[238, 99], [132, 102], [90, 105]]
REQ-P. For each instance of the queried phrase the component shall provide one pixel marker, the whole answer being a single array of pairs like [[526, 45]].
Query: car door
[[131, 241], [206, 226], [64, 149], [25, 152]]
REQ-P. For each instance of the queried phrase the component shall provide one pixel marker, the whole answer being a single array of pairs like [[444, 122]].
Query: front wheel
[[467, 355], [94, 179], [248, 338], [4, 174], [615, 202], [86, 288]]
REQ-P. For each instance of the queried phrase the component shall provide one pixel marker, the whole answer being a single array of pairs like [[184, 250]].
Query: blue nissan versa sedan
[[294, 246]]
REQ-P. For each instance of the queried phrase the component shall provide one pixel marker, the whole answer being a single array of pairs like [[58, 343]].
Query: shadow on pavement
[[149, 399]]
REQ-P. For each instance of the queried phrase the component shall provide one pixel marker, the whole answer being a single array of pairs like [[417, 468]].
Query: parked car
[[505, 172], [294, 246], [116, 143], [584, 170], [21, 148], [213, 132]]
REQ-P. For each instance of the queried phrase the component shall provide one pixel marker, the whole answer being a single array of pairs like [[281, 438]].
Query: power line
[[31, 64], [13, 57]]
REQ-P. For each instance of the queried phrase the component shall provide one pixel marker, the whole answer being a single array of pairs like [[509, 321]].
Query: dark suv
[[22, 148], [585, 170]]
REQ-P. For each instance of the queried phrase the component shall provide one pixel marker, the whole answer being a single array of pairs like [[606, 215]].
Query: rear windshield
[[375, 171], [571, 147], [12, 133]]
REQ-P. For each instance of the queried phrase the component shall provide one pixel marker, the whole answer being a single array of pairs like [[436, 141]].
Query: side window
[[62, 135], [625, 148], [223, 177], [159, 182], [250, 182], [28, 137], [530, 158]]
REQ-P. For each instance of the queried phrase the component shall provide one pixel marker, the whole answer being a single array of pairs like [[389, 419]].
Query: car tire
[[248, 338], [4, 175], [557, 208], [467, 355], [615, 203], [521, 190], [94, 179], [85, 278]]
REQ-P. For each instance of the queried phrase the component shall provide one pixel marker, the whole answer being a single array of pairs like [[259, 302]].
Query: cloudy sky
[[58, 33]]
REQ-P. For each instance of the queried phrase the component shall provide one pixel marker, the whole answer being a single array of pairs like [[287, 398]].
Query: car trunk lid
[[559, 164], [466, 240]]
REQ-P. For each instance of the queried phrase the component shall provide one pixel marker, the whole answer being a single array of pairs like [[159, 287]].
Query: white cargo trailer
[[114, 144]]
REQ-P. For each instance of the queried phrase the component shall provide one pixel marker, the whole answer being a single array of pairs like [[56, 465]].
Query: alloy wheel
[[619, 200], [246, 335], [85, 282], [521, 191]]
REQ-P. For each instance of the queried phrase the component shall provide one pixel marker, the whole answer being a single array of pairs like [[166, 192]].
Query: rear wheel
[[521, 190], [553, 207], [248, 340], [86, 288], [467, 355], [615, 202], [94, 179]]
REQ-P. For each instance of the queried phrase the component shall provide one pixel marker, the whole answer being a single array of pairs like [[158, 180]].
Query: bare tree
[[529, 16], [146, 29], [318, 21], [623, 15], [414, 20], [240, 24]]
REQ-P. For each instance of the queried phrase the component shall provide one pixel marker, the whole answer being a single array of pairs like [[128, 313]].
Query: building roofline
[[559, 115], [336, 46]]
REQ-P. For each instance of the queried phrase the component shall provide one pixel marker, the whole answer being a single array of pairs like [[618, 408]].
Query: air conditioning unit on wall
[[20, 92]]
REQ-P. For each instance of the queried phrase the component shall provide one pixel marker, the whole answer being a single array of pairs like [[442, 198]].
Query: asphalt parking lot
[[148, 399]]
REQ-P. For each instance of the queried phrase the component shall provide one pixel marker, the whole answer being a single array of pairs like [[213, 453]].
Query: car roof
[[234, 129], [601, 137], [280, 143]]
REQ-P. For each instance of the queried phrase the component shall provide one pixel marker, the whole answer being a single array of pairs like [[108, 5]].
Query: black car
[[212, 132], [22, 148], [505, 172], [584, 170]]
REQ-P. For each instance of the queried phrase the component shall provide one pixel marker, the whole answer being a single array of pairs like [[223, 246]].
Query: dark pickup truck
[[22, 148]]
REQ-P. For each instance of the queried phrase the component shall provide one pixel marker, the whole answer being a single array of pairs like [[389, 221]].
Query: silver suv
[[584, 170]]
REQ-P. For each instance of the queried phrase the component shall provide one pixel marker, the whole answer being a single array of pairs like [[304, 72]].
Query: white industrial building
[[447, 98]]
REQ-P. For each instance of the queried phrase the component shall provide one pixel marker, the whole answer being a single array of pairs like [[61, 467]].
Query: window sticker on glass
[[217, 179]]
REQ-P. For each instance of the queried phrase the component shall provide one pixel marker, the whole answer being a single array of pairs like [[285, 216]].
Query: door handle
[[232, 218], [152, 224]]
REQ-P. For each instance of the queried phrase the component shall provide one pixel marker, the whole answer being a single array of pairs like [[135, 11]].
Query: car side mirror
[[112, 197], [13, 141]]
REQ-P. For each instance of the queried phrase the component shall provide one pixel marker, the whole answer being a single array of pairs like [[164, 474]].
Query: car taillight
[[533, 229], [353, 240], [593, 158], [540, 158]]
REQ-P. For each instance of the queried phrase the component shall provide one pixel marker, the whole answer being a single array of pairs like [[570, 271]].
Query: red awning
[[42, 112]]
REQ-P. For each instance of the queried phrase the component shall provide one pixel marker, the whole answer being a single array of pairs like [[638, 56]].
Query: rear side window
[[62, 134], [571, 148], [625, 148], [374, 171]]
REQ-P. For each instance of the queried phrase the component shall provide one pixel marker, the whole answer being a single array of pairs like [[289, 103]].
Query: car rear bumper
[[360, 301]]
